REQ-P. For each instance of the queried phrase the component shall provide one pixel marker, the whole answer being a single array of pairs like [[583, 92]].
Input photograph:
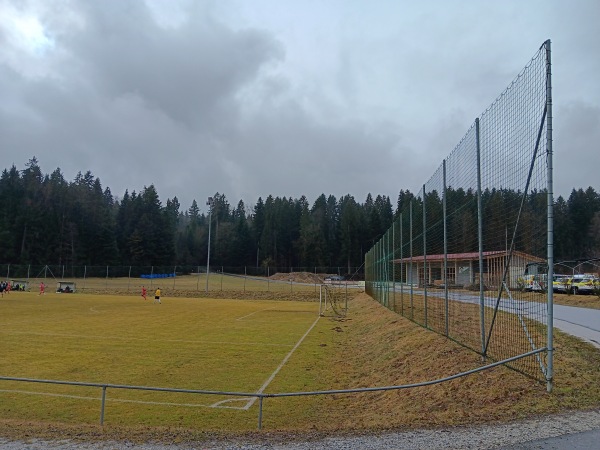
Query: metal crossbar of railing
[[471, 255], [260, 395]]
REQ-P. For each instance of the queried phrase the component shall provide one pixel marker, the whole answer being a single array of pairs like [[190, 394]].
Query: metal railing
[[262, 396]]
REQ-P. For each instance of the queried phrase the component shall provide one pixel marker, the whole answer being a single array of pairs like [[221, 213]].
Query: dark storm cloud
[[190, 73], [577, 141], [133, 102], [292, 154], [258, 98], [140, 104]]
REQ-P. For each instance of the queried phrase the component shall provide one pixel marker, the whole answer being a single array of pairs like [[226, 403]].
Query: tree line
[[45, 219]]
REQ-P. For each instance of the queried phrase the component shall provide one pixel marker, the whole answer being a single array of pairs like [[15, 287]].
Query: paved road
[[583, 323], [584, 440]]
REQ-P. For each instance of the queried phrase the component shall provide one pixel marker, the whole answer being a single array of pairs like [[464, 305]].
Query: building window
[[451, 275]]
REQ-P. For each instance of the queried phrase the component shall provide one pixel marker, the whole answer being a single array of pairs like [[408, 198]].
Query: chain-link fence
[[471, 255], [180, 278]]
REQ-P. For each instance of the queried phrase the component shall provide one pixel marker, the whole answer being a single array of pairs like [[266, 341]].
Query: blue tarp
[[158, 275]]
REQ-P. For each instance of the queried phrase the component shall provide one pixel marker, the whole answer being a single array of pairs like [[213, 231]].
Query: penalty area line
[[252, 313], [274, 374], [109, 399]]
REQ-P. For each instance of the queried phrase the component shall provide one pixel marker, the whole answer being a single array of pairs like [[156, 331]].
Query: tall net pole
[[549, 152]]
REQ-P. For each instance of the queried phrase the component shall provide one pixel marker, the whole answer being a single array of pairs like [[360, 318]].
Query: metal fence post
[[425, 274], [103, 404], [392, 266], [386, 268], [402, 267], [549, 152], [410, 228], [445, 277], [480, 239], [260, 412], [377, 272], [381, 274]]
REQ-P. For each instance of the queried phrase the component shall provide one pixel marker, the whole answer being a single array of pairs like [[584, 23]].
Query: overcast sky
[[256, 97]]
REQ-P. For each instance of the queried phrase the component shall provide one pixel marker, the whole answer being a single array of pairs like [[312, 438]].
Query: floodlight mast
[[210, 203]]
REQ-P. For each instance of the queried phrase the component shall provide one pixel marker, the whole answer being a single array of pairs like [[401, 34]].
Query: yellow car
[[560, 283], [532, 283], [583, 284]]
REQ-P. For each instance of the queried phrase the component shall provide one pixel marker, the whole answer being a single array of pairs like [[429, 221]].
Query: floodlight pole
[[210, 205]]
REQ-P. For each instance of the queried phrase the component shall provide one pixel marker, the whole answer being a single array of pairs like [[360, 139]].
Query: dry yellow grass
[[581, 301], [373, 346], [201, 344], [196, 285]]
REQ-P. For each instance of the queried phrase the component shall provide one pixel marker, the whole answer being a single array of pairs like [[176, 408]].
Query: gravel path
[[529, 434]]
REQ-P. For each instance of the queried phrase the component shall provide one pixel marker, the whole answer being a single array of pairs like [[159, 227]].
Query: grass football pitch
[[251, 346], [244, 346]]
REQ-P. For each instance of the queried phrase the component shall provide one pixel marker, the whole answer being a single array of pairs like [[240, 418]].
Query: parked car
[[583, 284], [560, 283], [334, 278], [532, 283]]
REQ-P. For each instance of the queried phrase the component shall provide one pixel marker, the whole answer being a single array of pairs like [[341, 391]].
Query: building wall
[[466, 271]]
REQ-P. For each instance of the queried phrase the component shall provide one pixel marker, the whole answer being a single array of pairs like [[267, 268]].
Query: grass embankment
[[580, 301], [381, 348], [371, 346]]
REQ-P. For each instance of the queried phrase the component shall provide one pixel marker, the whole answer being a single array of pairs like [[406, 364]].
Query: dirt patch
[[299, 277]]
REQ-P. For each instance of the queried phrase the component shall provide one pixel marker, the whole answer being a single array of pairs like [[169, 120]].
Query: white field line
[[270, 309], [252, 313], [252, 400], [115, 338], [220, 404], [108, 399]]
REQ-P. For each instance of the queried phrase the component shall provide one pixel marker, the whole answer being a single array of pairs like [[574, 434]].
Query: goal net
[[333, 300]]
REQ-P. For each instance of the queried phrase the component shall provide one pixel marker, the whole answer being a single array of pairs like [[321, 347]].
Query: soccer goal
[[333, 300]]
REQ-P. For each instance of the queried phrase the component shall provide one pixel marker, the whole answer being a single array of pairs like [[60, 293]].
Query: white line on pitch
[[119, 400], [248, 315], [288, 356]]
